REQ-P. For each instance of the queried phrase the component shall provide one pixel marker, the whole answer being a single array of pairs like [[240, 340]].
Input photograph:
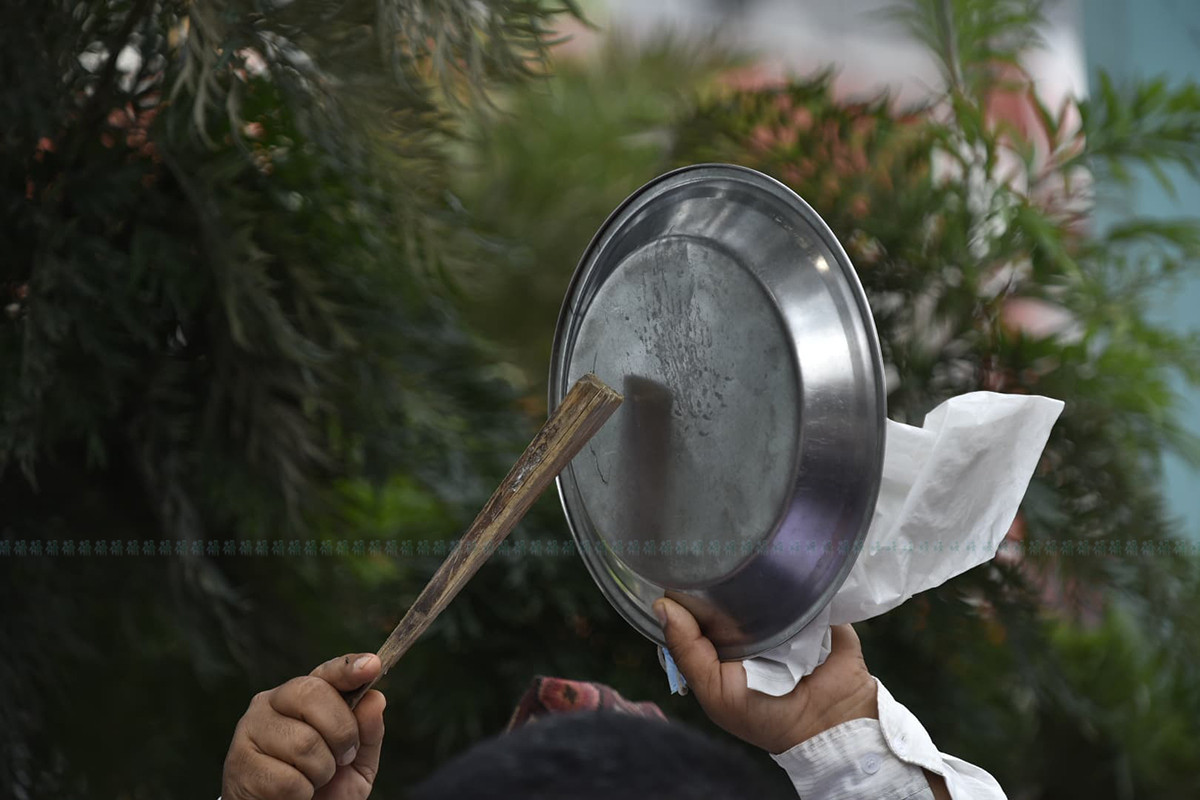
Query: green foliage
[[956, 222], [221, 321], [947, 252], [540, 177], [974, 41], [225, 318], [1150, 730], [1150, 124]]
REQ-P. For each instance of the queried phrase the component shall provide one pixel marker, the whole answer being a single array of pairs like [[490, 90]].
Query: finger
[[346, 673], [318, 703], [692, 652], [296, 743], [369, 714], [257, 775]]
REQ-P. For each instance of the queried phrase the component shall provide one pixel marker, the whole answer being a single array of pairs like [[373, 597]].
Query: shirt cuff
[[881, 758], [852, 761]]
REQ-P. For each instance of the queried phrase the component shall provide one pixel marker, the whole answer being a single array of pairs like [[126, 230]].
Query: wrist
[[860, 703]]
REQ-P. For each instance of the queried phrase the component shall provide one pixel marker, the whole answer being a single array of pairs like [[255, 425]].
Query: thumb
[[692, 652], [349, 672]]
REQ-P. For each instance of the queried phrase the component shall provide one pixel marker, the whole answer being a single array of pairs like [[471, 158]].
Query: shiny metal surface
[[740, 474]]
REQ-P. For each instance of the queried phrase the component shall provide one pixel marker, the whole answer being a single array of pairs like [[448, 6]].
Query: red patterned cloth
[[561, 696]]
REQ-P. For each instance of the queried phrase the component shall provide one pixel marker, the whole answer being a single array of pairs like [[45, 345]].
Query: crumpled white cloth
[[950, 491]]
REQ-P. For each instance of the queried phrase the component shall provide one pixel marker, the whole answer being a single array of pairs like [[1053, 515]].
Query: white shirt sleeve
[[881, 759]]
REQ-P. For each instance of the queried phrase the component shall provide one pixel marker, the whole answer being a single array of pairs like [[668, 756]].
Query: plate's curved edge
[[631, 612], [876, 362], [638, 619]]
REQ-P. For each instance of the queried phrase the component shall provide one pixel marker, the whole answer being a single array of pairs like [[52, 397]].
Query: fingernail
[[361, 663], [660, 611], [348, 757]]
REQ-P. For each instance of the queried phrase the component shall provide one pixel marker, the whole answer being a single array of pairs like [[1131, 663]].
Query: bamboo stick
[[581, 414]]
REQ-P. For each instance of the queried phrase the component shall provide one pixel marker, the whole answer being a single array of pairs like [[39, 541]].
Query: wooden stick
[[581, 414]]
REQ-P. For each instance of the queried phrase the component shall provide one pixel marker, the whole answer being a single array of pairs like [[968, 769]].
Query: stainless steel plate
[[740, 475]]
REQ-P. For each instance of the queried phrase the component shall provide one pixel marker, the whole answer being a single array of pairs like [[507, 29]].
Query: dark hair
[[598, 755]]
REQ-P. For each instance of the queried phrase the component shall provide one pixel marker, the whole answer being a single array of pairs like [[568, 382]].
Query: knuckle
[[310, 687], [300, 692], [293, 786], [298, 684], [346, 734], [313, 758], [308, 744], [251, 782], [323, 770], [241, 750], [236, 746]]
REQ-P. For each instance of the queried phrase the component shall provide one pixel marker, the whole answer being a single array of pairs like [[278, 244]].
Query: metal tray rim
[[638, 618]]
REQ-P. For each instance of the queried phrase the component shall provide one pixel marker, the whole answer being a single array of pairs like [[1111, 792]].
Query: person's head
[[594, 755]]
